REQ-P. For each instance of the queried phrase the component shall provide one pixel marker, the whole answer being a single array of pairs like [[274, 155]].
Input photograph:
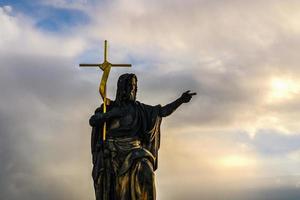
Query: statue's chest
[[126, 121]]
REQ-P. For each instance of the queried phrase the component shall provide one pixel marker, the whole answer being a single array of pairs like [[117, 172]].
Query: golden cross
[[105, 66]]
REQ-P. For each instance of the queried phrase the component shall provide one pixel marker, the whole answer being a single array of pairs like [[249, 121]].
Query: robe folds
[[124, 164]]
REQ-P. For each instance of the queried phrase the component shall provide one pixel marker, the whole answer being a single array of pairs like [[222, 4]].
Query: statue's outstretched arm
[[103, 117], [171, 107]]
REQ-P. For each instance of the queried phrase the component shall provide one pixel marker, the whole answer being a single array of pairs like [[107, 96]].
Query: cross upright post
[[105, 67]]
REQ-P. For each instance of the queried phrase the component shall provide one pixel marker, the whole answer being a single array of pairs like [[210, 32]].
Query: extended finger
[[194, 93], [186, 92]]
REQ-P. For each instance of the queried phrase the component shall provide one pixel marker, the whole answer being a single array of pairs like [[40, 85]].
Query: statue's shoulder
[[139, 104], [146, 106]]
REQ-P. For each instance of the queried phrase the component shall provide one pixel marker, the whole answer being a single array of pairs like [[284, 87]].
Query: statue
[[124, 164], [125, 139]]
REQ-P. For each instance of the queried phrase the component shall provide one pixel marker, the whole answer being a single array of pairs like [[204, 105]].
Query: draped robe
[[124, 164]]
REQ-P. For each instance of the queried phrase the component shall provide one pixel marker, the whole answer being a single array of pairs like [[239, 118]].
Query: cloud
[[6, 9], [229, 52], [38, 75], [229, 49]]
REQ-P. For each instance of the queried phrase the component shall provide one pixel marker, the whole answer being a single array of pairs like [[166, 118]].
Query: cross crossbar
[[105, 67]]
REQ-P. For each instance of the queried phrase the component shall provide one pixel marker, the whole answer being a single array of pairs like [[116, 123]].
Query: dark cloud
[[41, 103]]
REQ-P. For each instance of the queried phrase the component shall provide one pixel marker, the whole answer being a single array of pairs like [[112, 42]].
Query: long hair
[[124, 88]]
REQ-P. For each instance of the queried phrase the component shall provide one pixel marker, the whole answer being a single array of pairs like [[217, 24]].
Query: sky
[[238, 139]]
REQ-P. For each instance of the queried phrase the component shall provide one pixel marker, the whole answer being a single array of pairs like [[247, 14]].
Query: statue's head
[[127, 88]]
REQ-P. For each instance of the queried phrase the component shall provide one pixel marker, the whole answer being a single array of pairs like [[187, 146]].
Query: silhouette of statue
[[124, 164]]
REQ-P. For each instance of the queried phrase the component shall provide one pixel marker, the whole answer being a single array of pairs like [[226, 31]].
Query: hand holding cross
[[105, 66]]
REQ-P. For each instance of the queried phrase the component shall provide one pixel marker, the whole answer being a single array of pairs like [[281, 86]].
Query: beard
[[132, 96]]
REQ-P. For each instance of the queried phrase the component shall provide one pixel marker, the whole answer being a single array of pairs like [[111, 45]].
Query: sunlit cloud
[[238, 136], [283, 89], [236, 161]]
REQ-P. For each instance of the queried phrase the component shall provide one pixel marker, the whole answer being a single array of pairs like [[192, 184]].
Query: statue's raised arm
[[171, 107], [124, 163]]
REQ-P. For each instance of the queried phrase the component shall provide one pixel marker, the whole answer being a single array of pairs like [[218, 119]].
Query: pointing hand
[[187, 96]]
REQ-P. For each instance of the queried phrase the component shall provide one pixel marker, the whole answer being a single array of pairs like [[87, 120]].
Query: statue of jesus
[[124, 163]]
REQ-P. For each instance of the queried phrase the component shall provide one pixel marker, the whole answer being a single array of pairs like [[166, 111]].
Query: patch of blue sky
[[274, 143], [57, 19], [270, 142], [17, 4], [48, 18]]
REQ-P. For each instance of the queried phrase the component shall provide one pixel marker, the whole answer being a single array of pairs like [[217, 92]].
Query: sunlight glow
[[236, 161], [283, 89]]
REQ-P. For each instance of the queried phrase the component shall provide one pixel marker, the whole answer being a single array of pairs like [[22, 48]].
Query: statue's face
[[133, 89], [127, 88]]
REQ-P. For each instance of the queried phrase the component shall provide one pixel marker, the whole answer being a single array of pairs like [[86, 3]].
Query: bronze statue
[[126, 138], [124, 162]]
